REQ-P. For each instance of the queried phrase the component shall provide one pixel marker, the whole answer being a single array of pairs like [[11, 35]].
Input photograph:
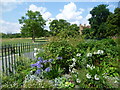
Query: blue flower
[[45, 61], [33, 65], [39, 62], [50, 60], [39, 65], [59, 58], [47, 69], [39, 58], [38, 71]]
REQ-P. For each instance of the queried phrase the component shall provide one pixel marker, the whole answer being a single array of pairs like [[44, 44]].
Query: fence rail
[[9, 53]]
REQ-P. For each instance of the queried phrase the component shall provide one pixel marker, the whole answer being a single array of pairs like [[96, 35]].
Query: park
[[68, 56]]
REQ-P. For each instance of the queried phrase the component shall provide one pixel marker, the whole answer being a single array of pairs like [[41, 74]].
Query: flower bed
[[89, 64]]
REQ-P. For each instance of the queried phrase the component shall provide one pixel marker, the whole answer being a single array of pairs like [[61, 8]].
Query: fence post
[[6, 60], [9, 58], [3, 60], [12, 58]]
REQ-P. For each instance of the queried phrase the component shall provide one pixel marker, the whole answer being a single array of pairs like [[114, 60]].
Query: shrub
[[60, 49]]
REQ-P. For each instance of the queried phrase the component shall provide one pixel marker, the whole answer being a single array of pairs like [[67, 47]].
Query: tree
[[99, 17], [113, 23], [32, 24], [56, 26], [88, 33]]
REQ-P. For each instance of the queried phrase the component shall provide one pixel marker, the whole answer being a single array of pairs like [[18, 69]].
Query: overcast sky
[[74, 11]]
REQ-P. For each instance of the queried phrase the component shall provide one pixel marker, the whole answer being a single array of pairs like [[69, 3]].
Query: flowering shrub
[[41, 66], [60, 49]]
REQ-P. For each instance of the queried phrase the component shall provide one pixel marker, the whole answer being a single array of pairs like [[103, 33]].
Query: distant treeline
[[10, 35], [19, 35]]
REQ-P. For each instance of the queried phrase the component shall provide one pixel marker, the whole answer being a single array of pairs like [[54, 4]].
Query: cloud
[[88, 16], [70, 13], [8, 5], [47, 23], [9, 27], [46, 15]]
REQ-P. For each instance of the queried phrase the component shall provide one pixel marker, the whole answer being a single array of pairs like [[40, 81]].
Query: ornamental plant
[[60, 49], [41, 67]]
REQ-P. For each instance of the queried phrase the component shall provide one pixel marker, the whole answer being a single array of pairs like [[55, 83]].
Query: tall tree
[[113, 23], [32, 24], [56, 26], [99, 17]]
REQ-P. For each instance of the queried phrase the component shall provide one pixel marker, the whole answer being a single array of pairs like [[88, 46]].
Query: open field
[[20, 40]]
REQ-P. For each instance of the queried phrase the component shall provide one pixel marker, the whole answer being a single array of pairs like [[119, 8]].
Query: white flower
[[88, 66], [95, 52], [88, 76], [96, 78], [35, 49], [35, 54], [100, 52], [91, 67], [38, 49], [73, 63], [89, 55], [77, 80], [78, 55], [73, 70], [74, 60]]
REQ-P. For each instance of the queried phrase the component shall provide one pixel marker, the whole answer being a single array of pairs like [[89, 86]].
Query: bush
[[60, 49], [16, 80]]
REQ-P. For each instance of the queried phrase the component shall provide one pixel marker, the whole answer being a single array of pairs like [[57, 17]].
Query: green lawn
[[20, 40]]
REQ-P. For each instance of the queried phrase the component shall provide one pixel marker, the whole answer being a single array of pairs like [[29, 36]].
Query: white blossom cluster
[[32, 77], [91, 67], [96, 77], [73, 64], [36, 51], [99, 52]]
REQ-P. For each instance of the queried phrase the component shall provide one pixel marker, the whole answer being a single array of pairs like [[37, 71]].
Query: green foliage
[[63, 27], [16, 80], [10, 35], [98, 19], [38, 84], [57, 26], [60, 49], [87, 32], [32, 24], [64, 82], [55, 72], [113, 23]]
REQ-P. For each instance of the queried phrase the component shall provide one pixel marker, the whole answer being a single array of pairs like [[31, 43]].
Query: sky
[[75, 12]]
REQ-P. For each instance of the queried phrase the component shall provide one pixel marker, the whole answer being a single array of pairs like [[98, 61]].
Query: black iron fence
[[11, 51]]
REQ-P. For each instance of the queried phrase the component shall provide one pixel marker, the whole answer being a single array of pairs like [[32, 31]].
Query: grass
[[20, 40], [38, 42]]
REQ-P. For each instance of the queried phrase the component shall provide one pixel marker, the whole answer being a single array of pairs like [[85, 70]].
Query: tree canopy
[[98, 19], [32, 24], [61, 25], [113, 23]]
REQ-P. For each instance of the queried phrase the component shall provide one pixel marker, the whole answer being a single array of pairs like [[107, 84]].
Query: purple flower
[[39, 65], [50, 60], [59, 58], [33, 65], [39, 58], [45, 61], [38, 71], [47, 69], [39, 62]]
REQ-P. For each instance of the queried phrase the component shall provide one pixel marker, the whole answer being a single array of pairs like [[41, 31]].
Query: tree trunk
[[33, 37]]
